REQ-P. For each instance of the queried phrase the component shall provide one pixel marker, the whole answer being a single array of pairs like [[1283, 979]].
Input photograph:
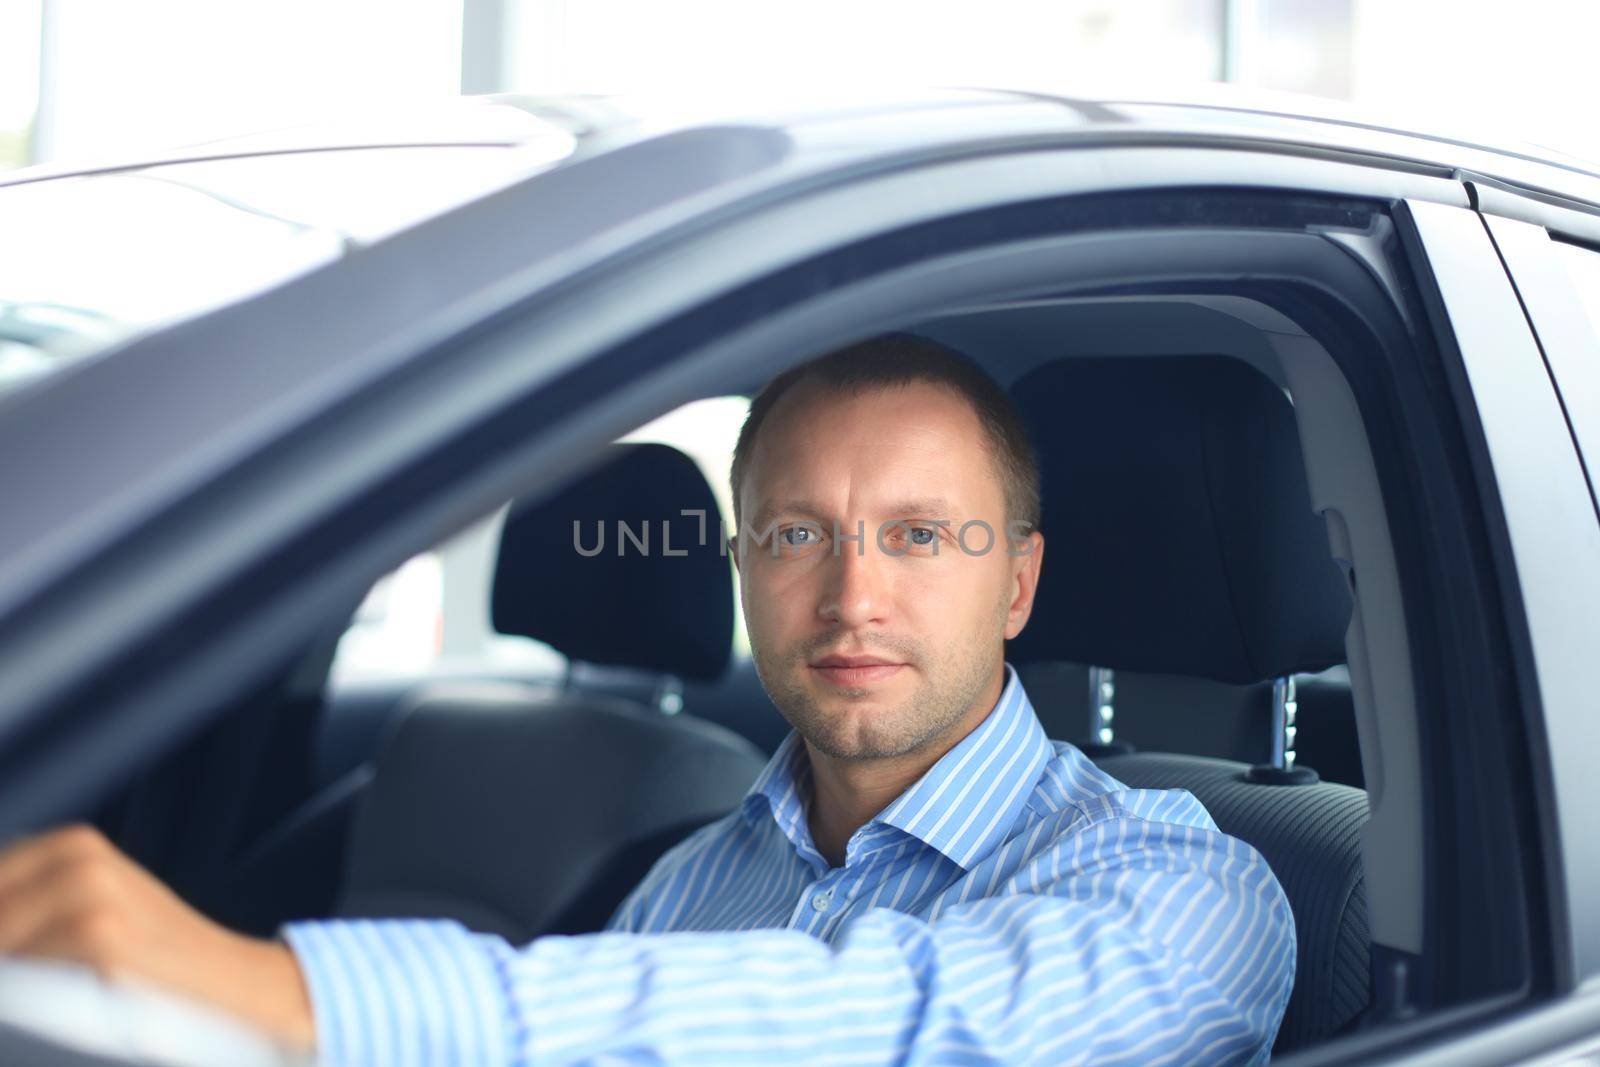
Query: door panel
[[1552, 540]]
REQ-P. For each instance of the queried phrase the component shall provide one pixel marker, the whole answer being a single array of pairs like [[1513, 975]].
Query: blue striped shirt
[[1014, 905]]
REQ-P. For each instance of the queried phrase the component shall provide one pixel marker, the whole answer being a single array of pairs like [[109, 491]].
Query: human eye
[[908, 537], [799, 536]]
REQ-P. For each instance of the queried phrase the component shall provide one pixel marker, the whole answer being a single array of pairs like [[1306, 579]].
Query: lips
[[855, 670]]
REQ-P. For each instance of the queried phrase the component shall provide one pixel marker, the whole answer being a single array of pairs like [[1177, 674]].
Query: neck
[[847, 793]]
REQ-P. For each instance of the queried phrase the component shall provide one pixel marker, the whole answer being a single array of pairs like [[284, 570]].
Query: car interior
[[1190, 632]]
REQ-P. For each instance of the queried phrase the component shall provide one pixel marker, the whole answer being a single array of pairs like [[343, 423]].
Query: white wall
[[726, 45], [1524, 67], [162, 72], [1528, 68], [166, 72]]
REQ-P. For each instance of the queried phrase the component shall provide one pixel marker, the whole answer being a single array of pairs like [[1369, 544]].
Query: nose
[[856, 591]]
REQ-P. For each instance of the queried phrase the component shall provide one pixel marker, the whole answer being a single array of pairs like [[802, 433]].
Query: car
[[1317, 402]]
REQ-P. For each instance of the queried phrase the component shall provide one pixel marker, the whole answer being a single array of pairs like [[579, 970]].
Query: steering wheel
[[55, 1014]]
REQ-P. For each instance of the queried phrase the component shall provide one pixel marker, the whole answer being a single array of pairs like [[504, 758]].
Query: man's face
[[874, 650]]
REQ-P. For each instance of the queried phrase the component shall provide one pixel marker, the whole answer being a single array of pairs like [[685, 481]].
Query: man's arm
[[71, 895], [1136, 942]]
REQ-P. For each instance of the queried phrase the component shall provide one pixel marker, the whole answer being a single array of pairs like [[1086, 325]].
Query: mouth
[[852, 671]]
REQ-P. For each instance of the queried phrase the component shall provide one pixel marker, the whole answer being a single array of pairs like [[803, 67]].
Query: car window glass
[[93, 259], [432, 613]]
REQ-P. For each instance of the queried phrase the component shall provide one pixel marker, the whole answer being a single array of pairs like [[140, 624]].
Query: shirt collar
[[962, 806], [781, 789]]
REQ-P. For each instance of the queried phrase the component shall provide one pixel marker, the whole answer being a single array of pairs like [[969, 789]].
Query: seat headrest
[[666, 606], [1178, 526]]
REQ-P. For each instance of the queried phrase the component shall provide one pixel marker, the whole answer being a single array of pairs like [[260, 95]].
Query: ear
[[1027, 558], [733, 550]]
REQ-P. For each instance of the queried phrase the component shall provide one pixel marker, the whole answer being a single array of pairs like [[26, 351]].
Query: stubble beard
[[944, 695]]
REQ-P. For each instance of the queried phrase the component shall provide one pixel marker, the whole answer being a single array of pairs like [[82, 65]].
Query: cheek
[[966, 592], [774, 597]]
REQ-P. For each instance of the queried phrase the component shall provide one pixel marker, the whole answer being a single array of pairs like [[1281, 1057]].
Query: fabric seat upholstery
[[1181, 541], [520, 815], [521, 811]]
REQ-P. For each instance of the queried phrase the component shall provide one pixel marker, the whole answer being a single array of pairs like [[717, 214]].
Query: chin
[[859, 733]]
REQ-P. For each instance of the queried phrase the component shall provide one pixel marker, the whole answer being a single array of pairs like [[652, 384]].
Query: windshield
[[90, 260]]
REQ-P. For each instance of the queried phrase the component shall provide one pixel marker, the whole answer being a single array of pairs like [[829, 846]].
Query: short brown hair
[[897, 359]]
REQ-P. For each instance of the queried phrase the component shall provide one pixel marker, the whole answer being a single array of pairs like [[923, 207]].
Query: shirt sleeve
[[1137, 942]]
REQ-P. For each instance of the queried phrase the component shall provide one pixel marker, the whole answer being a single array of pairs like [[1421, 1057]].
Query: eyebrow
[[927, 506], [770, 508]]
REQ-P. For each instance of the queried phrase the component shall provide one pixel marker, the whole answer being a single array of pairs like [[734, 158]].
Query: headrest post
[[1281, 769], [1102, 705], [1284, 707], [669, 695]]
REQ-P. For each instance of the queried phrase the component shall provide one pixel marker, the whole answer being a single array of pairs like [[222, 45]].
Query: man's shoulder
[[1073, 790]]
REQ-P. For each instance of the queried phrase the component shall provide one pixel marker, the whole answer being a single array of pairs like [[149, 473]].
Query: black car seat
[[1180, 541], [521, 810]]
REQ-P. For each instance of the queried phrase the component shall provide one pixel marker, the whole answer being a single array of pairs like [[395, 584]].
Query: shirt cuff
[[402, 993]]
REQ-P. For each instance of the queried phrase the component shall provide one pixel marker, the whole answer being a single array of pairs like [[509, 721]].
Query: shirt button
[[821, 901]]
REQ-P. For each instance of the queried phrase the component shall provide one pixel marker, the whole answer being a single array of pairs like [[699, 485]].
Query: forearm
[[423, 993], [1010, 980]]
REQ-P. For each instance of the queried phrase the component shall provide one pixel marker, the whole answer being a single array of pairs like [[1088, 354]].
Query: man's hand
[[71, 895]]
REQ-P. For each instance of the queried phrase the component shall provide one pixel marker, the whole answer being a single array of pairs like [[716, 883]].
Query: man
[[919, 875]]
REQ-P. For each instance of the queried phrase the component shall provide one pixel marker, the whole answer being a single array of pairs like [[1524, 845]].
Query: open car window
[[432, 613]]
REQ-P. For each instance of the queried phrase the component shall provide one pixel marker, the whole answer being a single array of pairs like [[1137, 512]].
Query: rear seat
[[520, 811]]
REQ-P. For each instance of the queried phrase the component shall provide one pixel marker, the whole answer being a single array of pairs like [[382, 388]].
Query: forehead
[[915, 439]]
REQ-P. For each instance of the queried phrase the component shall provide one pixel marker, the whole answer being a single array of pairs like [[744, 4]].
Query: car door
[[1553, 256], [393, 398], [1538, 441]]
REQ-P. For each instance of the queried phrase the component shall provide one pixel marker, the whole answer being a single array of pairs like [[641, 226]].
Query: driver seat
[[1182, 541]]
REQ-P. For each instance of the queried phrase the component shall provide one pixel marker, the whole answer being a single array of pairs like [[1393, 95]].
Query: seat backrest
[[518, 813], [1180, 540], [520, 810]]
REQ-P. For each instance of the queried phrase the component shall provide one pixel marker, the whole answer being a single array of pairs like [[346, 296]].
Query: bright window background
[[123, 77], [431, 616], [20, 41], [727, 46]]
